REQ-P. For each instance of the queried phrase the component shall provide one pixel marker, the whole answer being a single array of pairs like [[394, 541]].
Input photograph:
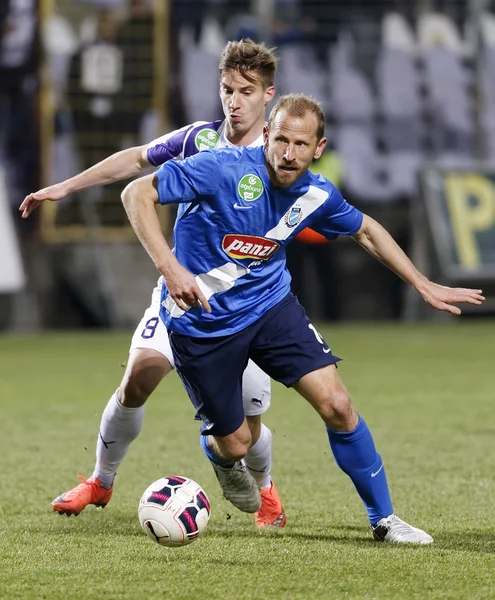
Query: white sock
[[258, 459], [119, 426]]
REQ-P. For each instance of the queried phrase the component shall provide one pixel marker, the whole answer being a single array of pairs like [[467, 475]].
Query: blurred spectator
[[226, 10], [188, 13], [183, 13], [243, 26], [238, 20], [60, 42], [4, 12], [96, 93], [311, 257], [321, 20], [456, 9], [135, 39], [19, 55], [286, 22]]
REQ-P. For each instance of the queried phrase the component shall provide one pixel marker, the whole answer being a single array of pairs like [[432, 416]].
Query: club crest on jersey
[[249, 246], [293, 216], [250, 187], [206, 139]]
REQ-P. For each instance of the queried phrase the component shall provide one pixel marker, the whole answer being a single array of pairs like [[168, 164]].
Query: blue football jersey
[[188, 141], [232, 236]]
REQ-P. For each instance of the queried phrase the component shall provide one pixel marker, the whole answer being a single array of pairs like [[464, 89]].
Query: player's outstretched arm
[[139, 199], [120, 165], [382, 246]]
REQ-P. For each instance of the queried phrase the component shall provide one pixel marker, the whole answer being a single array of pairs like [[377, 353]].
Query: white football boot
[[239, 487], [393, 529]]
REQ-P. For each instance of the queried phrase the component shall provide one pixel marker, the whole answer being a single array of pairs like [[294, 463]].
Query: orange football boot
[[89, 491], [271, 514]]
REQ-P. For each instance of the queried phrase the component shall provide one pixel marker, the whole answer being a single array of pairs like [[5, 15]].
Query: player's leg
[[228, 449], [256, 397], [120, 425], [150, 359], [226, 436], [290, 350], [349, 437], [122, 419], [225, 453], [355, 453]]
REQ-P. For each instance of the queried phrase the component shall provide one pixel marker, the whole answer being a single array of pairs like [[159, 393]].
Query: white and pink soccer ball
[[174, 511]]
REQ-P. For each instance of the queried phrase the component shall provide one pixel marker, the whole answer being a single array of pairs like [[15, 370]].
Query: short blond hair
[[247, 56], [299, 105]]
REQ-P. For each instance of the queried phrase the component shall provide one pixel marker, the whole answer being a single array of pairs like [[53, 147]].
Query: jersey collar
[[225, 143]]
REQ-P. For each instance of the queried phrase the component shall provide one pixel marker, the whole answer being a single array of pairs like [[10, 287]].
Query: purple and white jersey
[[189, 140]]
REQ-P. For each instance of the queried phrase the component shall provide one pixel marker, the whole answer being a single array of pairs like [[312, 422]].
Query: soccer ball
[[174, 511]]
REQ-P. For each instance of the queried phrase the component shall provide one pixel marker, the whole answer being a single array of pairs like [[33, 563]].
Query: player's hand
[[32, 201], [184, 289], [446, 298]]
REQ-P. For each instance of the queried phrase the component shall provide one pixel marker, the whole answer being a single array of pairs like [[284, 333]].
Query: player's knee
[[134, 391], [238, 453], [338, 411], [235, 446], [144, 372], [234, 452]]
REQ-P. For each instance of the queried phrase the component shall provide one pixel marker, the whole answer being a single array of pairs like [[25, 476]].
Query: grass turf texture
[[426, 392]]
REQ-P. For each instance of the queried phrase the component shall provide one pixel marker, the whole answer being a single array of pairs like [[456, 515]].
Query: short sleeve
[[167, 146], [185, 180], [337, 217]]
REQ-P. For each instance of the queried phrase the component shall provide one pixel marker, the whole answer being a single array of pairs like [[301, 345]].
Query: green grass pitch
[[426, 391]]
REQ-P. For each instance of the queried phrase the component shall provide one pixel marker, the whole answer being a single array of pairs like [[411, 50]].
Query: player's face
[[244, 100], [291, 144]]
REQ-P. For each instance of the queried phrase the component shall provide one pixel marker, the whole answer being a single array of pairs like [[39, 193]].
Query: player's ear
[[269, 94], [265, 134], [320, 147]]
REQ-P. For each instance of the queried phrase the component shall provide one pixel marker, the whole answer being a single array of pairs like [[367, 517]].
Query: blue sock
[[212, 457], [355, 453]]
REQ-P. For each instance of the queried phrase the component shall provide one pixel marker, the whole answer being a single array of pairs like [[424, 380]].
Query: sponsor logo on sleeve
[[250, 187], [249, 246], [206, 139]]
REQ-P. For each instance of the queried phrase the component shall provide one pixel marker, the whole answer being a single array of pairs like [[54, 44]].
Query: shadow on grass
[[213, 533], [288, 534], [462, 541], [465, 541], [482, 542], [88, 526]]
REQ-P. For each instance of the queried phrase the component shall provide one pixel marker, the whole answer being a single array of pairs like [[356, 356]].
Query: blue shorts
[[283, 343]]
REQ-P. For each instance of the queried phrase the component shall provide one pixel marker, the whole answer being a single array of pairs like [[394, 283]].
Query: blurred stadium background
[[408, 87]]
